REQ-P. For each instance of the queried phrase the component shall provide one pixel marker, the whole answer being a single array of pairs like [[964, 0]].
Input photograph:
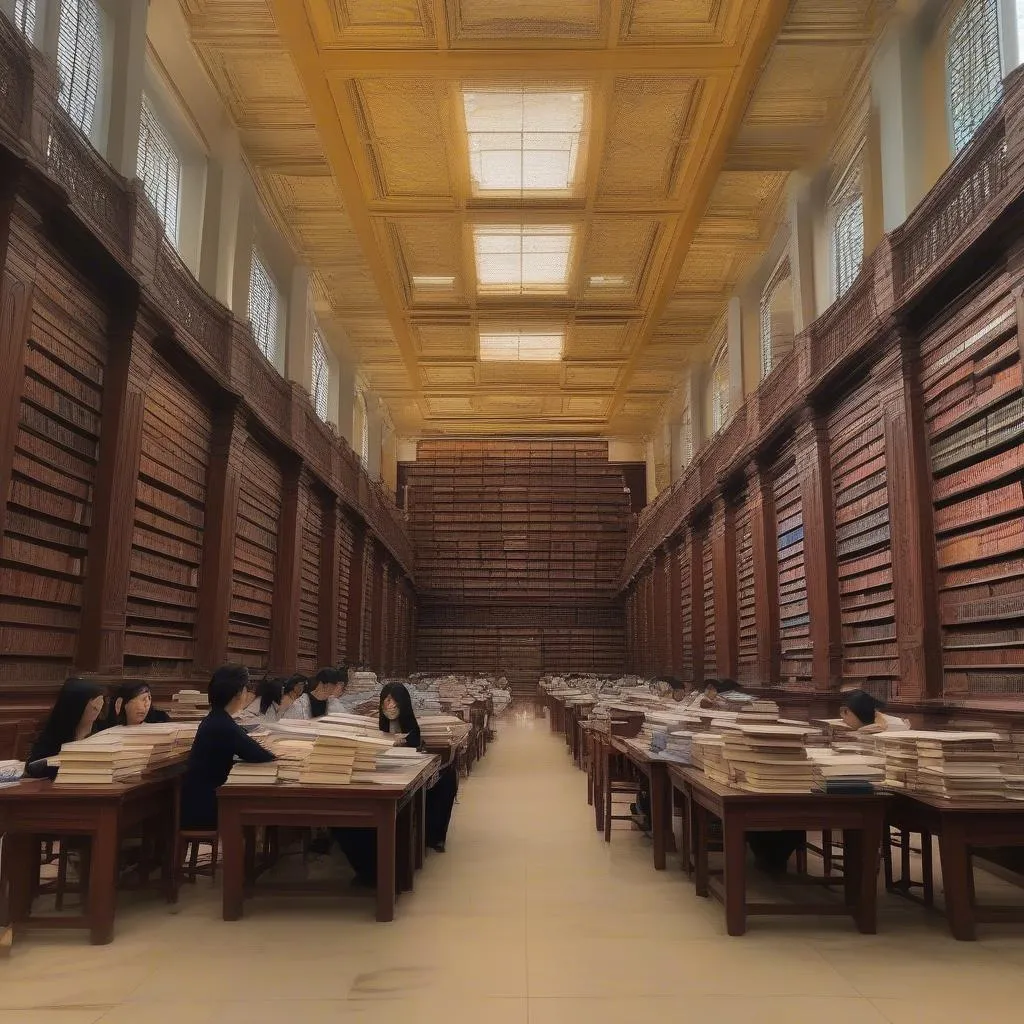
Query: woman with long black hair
[[327, 683], [78, 705], [133, 705]]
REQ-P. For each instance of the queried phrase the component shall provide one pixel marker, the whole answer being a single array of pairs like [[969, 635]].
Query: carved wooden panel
[[863, 548], [342, 578], [167, 539], [971, 375], [309, 580], [708, 570], [794, 619], [685, 610], [746, 611], [371, 570], [53, 472], [253, 572]]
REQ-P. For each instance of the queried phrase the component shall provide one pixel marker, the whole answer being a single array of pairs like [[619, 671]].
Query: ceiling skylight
[[434, 283], [522, 345], [516, 259], [608, 281], [523, 140]]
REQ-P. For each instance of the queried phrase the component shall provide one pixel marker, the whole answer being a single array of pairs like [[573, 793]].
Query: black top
[[154, 716], [219, 740], [412, 737], [43, 748]]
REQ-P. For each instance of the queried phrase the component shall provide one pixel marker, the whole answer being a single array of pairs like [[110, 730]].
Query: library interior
[[507, 511]]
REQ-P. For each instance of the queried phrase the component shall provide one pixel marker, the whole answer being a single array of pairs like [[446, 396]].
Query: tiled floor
[[529, 917]]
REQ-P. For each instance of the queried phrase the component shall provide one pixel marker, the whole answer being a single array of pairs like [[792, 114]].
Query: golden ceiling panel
[[680, 21], [653, 380], [247, 74], [592, 375], [520, 374], [753, 193], [252, 15], [491, 404], [449, 405], [498, 21], [297, 194], [830, 17], [383, 378], [349, 287], [449, 374], [599, 339], [403, 124], [710, 267], [445, 340], [616, 258], [649, 122], [366, 23], [427, 254], [586, 406]]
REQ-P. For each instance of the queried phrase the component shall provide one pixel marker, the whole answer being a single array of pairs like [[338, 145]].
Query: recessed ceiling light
[[524, 140], [437, 283], [520, 258], [608, 281], [522, 345]]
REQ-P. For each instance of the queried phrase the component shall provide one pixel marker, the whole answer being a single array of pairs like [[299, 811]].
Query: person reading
[[73, 716], [327, 683], [219, 741], [863, 713], [133, 705], [274, 696]]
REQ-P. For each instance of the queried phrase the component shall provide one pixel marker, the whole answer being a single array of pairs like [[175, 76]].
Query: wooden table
[[960, 826], [860, 818], [395, 809], [655, 769], [37, 807]]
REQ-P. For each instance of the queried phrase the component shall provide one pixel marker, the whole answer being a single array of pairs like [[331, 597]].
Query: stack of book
[[766, 758], [247, 773], [353, 723], [185, 734], [291, 755], [362, 682], [709, 754], [961, 766], [189, 705], [759, 710], [93, 762], [836, 772], [900, 752], [679, 746], [156, 741], [443, 730]]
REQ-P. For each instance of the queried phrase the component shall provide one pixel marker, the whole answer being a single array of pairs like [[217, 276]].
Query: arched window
[[159, 170], [776, 317], [973, 68], [846, 209]]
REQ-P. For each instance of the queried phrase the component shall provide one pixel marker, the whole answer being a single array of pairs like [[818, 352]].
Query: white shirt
[[300, 709], [893, 723]]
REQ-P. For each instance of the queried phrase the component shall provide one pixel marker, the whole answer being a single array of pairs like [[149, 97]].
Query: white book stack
[[759, 710], [900, 752], [362, 682], [766, 758], [291, 754], [680, 745], [248, 773], [833, 766], [961, 766], [709, 755], [185, 735], [189, 705], [157, 741], [92, 763], [353, 723], [443, 730]]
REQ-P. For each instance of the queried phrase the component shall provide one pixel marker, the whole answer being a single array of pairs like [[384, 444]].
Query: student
[[863, 714], [274, 696], [133, 705], [72, 717], [724, 694], [219, 740], [319, 690]]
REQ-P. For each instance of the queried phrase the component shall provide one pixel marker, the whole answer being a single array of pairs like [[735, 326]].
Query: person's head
[[291, 690], [858, 709], [229, 689], [74, 713], [132, 703], [719, 687], [269, 690], [328, 682], [396, 706]]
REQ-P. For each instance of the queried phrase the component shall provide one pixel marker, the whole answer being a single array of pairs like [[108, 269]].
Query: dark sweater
[[45, 746], [219, 740]]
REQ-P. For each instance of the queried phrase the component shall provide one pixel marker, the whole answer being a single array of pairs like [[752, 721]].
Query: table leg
[[233, 851], [734, 841], [21, 869], [249, 838], [661, 814], [700, 826], [386, 867], [928, 877], [420, 826], [870, 852], [103, 878], [956, 870], [404, 848]]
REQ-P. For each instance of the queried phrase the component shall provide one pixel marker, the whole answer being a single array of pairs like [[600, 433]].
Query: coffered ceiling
[[582, 181]]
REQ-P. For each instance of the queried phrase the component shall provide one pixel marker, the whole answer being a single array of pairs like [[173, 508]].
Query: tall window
[[320, 375], [776, 317], [263, 308], [720, 388], [973, 68], [686, 439], [80, 60], [160, 170], [847, 212], [364, 434], [25, 18]]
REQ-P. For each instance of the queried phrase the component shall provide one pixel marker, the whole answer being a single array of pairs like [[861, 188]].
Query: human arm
[[247, 749]]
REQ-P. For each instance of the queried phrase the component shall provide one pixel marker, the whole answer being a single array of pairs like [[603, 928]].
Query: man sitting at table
[[219, 740]]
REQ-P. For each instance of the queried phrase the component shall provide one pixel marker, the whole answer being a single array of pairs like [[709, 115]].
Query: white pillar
[[225, 184], [734, 350], [48, 33], [299, 336], [896, 96], [375, 438], [346, 403], [801, 253], [1008, 35], [652, 471], [699, 426], [679, 436], [128, 67], [7, 7]]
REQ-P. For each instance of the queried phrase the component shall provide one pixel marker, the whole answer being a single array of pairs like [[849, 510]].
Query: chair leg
[[62, 875], [607, 799], [193, 860], [887, 858], [826, 850], [214, 853]]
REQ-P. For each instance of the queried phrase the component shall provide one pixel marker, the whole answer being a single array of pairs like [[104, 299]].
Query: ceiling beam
[[297, 35], [772, 15]]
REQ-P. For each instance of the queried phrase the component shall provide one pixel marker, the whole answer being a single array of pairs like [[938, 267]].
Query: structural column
[[284, 630], [299, 341], [765, 555], [15, 320], [328, 652], [128, 70], [693, 538], [723, 560], [697, 400], [675, 603], [815, 472], [912, 535], [105, 598], [377, 604], [660, 610], [354, 612]]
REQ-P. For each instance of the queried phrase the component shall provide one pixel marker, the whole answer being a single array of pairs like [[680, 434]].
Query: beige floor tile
[[951, 1009], [54, 1015]]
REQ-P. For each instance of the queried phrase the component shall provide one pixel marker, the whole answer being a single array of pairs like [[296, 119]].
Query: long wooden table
[[860, 818], [655, 770], [105, 814], [960, 827], [395, 808]]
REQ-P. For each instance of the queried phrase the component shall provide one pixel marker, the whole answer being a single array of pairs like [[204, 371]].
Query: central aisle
[[530, 918]]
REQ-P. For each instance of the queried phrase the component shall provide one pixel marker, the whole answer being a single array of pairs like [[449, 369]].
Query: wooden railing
[[965, 204], [34, 127]]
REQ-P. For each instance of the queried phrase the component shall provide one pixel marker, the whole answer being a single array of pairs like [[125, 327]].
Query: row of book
[[123, 753]]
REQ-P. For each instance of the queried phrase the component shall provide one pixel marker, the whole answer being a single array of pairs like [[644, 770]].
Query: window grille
[[720, 388], [776, 317], [320, 375], [686, 437], [973, 68], [25, 18], [80, 60], [847, 207], [364, 440], [263, 308], [159, 170]]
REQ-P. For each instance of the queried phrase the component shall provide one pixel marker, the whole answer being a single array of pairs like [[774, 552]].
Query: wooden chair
[[188, 842], [618, 778]]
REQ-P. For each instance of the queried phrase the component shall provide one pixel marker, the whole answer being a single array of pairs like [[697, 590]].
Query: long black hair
[[67, 711], [325, 677], [273, 689], [406, 716], [863, 705]]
